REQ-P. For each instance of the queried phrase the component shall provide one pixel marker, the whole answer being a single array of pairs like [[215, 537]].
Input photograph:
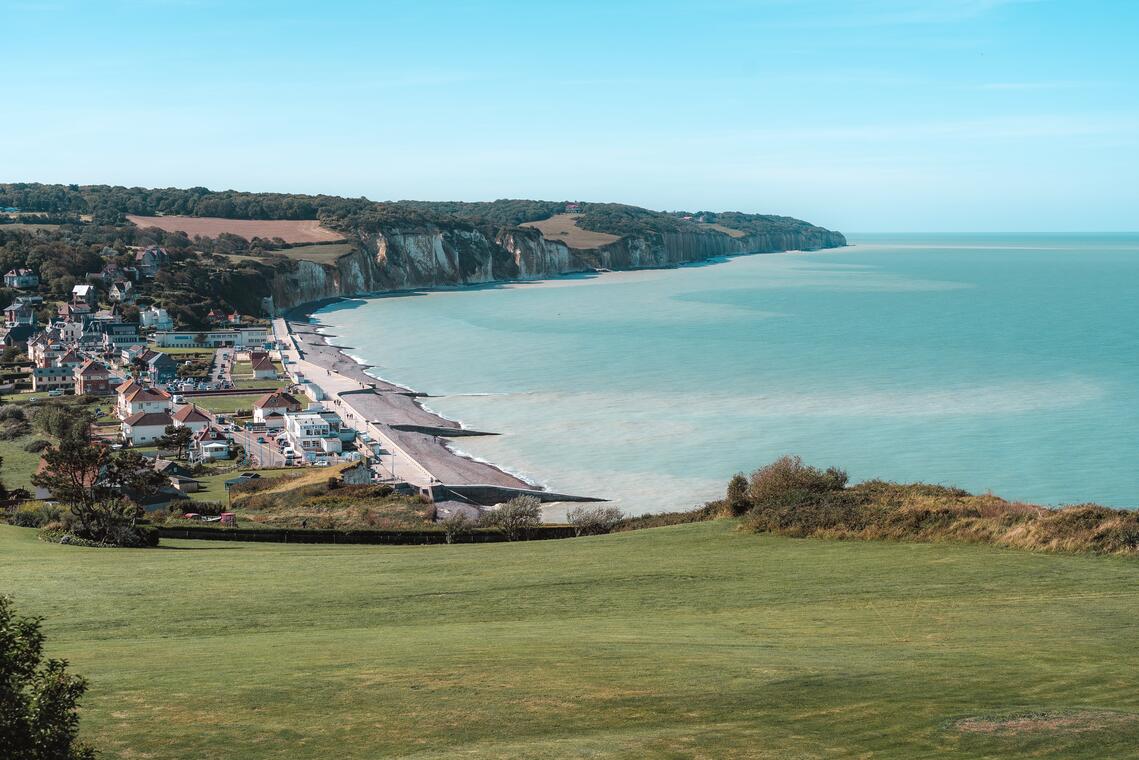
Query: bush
[[736, 498], [514, 518], [35, 517], [457, 526], [36, 446], [12, 412], [788, 475], [592, 521]]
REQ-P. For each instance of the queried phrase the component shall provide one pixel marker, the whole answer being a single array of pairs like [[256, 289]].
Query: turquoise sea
[[1007, 363]]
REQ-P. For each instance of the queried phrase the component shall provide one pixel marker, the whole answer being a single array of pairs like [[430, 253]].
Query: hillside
[[697, 640], [395, 245]]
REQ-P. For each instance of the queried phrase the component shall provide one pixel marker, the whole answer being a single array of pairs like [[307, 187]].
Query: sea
[[994, 362]]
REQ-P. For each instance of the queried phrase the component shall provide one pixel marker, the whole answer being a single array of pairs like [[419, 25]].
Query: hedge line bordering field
[[395, 537]]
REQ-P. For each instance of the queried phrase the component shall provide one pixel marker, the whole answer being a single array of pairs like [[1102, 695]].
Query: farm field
[[691, 641], [327, 253], [564, 227], [291, 231]]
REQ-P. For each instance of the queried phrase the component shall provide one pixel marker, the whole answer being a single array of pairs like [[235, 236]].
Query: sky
[[873, 115]]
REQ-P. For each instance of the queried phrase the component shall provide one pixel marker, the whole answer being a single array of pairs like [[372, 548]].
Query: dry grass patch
[[289, 230], [563, 227], [1062, 721], [726, 230]]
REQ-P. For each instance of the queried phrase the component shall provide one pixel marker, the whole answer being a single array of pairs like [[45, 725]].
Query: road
[[267, 454], [223, 362]]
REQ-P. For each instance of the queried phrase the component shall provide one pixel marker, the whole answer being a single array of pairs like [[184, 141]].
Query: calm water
[[994, 362]]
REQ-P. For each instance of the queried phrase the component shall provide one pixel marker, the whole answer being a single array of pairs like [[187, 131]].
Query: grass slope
[[697, 640]]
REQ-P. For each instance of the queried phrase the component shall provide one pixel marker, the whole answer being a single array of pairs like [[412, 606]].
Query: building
[[19, 314], [263, 367], [116, 335], [210, 443], [311, 434], [359, 474], [85, 294], [44, 348], [150, 260], [138, 399], [270, 409], [192, 417], [157, 318], [16, 335], [92, 379], [144, 428], [121, 291], [241, 337], [21, 279], [159, 367], [75, 312], [53, 378]]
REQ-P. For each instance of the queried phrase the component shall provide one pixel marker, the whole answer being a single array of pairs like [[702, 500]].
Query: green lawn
[[693, 641], [226, 404], [182, 352], [19, 465]]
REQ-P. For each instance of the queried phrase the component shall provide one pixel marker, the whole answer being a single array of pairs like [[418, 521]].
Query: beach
[[414, 439]]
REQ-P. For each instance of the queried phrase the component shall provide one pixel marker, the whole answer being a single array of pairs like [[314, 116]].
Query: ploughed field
[[564, 227], [289, 230], [697, 640]]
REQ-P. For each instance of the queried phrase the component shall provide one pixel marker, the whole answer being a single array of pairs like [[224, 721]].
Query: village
[[209, 402]]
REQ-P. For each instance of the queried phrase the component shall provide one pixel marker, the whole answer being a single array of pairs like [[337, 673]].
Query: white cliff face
[[536, 257], [433, 257]]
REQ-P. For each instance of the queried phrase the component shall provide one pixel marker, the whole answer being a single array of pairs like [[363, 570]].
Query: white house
[[143, 428], [192, 417], [84, 294], [310, 433], [263, 367], [121, 291], [139, 399], [210, 443], [157, 318]]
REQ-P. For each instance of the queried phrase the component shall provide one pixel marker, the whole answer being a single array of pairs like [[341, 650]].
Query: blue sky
[[876, 116]]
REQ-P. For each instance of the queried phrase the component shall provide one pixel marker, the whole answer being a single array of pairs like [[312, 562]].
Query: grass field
[[564, 227], [213, 486], [693, 641], [321, 254], [227, 404], [300, 231]]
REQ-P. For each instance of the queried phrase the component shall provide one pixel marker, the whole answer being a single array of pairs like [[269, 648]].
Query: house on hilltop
[[150, 260], [142, 428], [21, 279], [263, 367]]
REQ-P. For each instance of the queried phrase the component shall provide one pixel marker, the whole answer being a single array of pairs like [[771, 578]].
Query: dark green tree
[[101, 489], [176, 439], [38, 698]]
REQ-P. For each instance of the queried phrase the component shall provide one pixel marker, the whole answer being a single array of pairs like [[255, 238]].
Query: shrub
[[35, 517], [10, 412], [592, 521], [736, 498], [37, 445], [788, 474], [457, 526], [514, 518]]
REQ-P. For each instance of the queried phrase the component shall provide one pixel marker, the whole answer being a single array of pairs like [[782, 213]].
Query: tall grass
[[790, 498]]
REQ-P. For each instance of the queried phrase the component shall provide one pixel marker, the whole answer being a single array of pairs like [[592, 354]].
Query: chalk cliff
[[436, 256]]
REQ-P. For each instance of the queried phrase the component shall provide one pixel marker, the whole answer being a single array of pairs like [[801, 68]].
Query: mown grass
[[226, 404], [690, 641]]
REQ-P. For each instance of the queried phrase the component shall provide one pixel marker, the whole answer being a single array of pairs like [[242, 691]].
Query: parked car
[[54, 392], [178, 398]]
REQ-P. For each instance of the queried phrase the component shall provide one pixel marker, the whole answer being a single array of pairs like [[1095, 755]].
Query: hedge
[[318, 536]]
